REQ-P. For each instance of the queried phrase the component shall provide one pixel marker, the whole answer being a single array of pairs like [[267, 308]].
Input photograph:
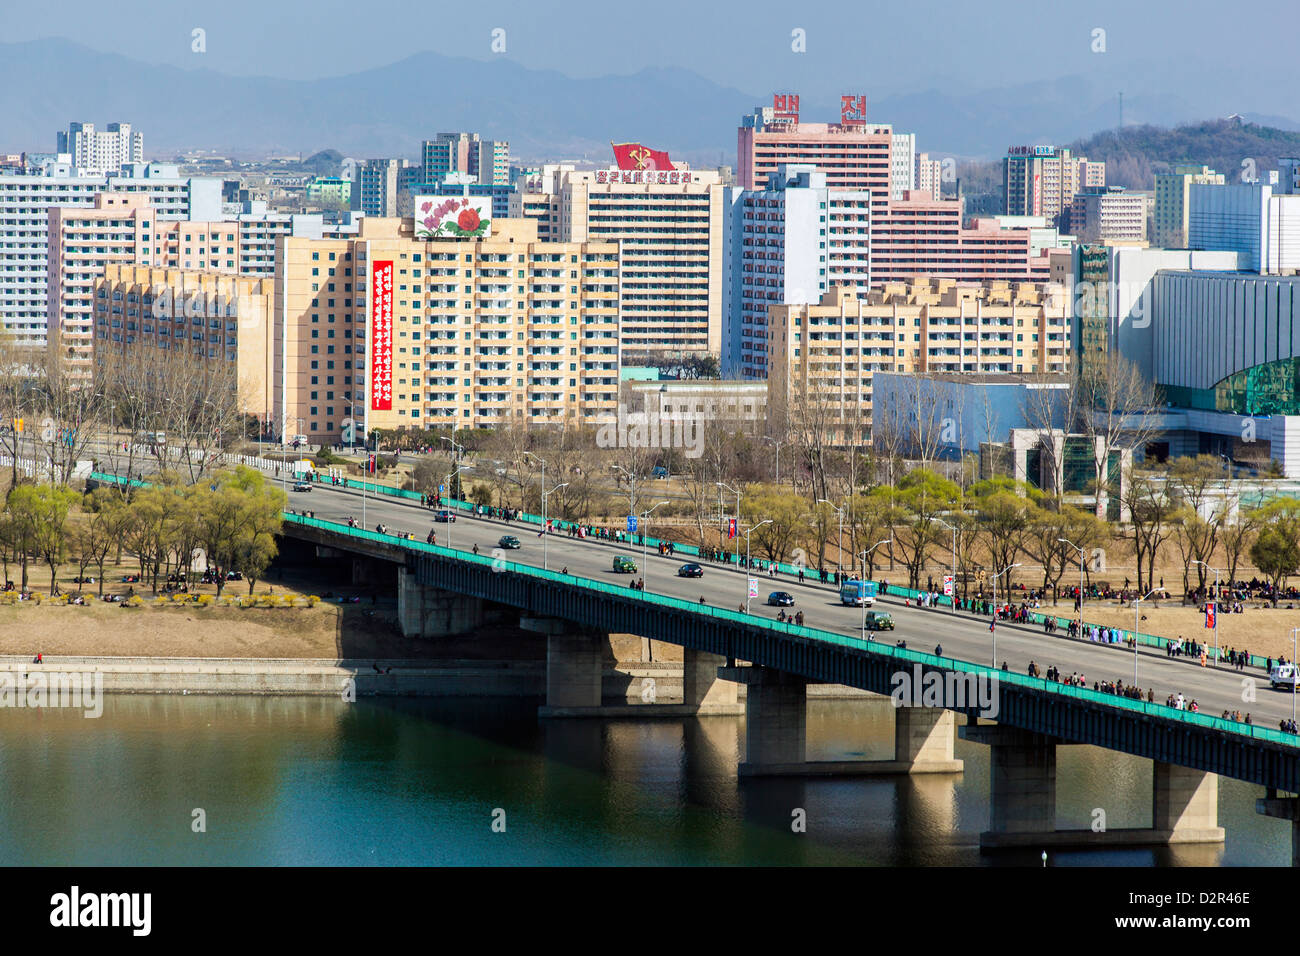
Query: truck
[[878, 621], [857, 593]]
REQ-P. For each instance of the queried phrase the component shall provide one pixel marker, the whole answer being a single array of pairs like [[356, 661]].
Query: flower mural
[[454, 218]]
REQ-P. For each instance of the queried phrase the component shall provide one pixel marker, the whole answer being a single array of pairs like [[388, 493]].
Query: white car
[[1282, 675]]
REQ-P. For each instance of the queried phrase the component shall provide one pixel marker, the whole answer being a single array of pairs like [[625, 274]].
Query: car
[[234, 576], [879, 621], [690, 571], [780, 599], [624, 565], [508, 541], [1282, 675], [302, 486], [659, 472], [443, 516]]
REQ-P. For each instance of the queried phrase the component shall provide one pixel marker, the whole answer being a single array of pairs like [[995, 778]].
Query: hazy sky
[[879, 48]]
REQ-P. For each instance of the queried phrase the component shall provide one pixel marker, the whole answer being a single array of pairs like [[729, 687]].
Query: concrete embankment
[[633, 682]]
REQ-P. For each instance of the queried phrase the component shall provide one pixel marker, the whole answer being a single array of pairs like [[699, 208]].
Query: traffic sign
[[631, 524], [441, 489], [753, 587]]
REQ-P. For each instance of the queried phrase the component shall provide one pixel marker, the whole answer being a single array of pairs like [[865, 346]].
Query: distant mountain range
[[44, 84]]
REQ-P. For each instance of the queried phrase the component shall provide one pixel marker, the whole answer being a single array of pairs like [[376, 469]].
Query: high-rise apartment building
[[1169, 223], [25, 204], [823, 355], [488, 160], [151, 313], [853, 153], [929, 176], [669, 229], [376, 188], [126, 228], [787, 244], [1042, 181], [101, 153], [1109, 214], [903, 162], [389, 331]]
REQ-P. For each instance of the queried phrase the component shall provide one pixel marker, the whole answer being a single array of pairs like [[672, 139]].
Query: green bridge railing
[[1037, 619]]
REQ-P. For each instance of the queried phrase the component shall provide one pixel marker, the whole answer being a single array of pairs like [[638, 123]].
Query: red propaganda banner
[[636, 156], [381, 335], [731, 527], [1209, 614]]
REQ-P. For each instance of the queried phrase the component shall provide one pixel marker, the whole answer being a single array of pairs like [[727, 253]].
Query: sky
[[881, 49]]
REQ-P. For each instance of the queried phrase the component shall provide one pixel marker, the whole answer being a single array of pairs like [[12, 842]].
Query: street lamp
[[645, 517], [543, 461], [748, 570], [451, 515], [1135, 631], [952, 600], [994, 624], [631, 498], [777, 445], [1216, 608], [460, 449], [546, 537], [839, 541], [863, 583], [1080, 550], [723, 484]]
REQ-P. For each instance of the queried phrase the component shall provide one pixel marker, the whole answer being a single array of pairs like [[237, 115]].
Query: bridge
[[443, 590]]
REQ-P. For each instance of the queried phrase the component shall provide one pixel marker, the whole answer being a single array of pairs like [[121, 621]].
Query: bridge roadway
[[962, 635]]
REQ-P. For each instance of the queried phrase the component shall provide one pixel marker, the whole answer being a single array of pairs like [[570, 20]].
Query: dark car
[[780, 599], [508, 541], [690, 571], [443, 516]]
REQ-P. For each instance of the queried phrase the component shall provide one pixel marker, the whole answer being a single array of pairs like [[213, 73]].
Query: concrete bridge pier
[[776, 718], [1022, 804], [431, 612], [1283, 808], [575, 665], [702, 688]]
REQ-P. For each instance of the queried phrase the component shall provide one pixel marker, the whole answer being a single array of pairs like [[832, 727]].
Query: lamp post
[[994, 625], [839, 540], [543, 461], [459, 449], [1135, 631], [1216, 608], [546, 536], [862, 583], [1080, 550], [645, 517], [723, 484], [748, 570], [952, 601], [631, 498], [451, 515], [777, 445]]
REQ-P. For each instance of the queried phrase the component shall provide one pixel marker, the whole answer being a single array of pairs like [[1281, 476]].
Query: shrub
[[313, 600], [36, 597], [134, 601], [204, 600]]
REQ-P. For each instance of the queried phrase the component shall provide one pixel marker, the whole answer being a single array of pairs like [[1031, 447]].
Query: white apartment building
[[25, 203], [787, 245], [668, 225], [902, 165], [102, 152]]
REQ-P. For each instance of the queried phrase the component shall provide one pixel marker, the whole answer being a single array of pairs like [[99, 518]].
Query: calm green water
[[320, 782]]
